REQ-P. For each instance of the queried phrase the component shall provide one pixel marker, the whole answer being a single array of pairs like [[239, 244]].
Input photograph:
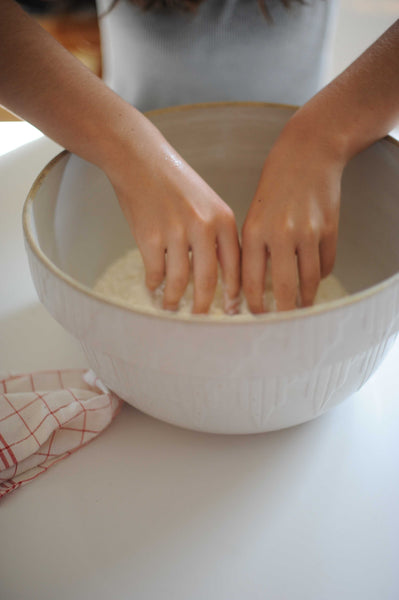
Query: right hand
[[172, 210]]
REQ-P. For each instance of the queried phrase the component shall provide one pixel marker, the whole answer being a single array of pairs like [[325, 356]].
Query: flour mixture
[[124, 280]]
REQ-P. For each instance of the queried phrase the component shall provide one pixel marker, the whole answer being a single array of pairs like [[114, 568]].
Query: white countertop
[[148, 511]]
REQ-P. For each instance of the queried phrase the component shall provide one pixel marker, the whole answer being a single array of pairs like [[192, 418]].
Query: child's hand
[[292, 224], [294, 215], [171, 210]]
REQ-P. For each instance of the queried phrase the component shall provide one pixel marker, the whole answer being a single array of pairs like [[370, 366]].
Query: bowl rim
[[248, 319]]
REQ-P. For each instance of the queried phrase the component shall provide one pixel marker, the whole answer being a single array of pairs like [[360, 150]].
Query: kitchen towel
[[46, 416]]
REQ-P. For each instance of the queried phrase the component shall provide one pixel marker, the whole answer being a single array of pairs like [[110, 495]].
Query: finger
[[205, 273], [153, 254], [284, 276], [177, 273], [309, 272], [228, 253], [253, 267], [327, 251]]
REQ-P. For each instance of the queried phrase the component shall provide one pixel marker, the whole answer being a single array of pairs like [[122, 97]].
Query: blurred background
[[358, 24]]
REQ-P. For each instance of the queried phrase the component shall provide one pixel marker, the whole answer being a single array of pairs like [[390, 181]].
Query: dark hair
[[44, 7], [154, 5], [192, 5]]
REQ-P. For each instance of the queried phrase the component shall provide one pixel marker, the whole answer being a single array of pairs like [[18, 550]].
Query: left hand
[[293, 218], [292, 221]]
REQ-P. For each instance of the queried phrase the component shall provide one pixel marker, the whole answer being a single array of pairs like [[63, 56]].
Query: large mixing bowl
[[243, 374]]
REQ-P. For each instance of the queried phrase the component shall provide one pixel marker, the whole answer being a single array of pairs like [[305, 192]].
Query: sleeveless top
[[226, 51]]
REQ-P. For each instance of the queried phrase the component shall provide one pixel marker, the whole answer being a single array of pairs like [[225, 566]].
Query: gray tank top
[[226, 51]]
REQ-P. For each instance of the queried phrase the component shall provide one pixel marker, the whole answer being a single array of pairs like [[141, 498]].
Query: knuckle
[[330, 228], [278, 245], [311, 232], [287, 226], [177, 283], [205, 226], [228, 216], [251, 230], [283, 232], [154, 241], [179, 233], [230, 224]]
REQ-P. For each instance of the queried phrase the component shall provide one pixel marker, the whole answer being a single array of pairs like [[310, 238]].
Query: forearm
[[170, 209], [47, 86], [358, 107]]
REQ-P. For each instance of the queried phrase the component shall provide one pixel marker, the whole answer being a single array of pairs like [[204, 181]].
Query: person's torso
[[226, 51]]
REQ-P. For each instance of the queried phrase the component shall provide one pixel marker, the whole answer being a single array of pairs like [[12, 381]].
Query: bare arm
[[361, 105], [294, 216], [44, 84], [172, 211]]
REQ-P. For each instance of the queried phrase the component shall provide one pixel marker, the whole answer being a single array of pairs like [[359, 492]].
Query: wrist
[[118, 140], [315, 135]]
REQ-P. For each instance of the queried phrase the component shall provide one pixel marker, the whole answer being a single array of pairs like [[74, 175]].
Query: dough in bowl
[[124, 281]]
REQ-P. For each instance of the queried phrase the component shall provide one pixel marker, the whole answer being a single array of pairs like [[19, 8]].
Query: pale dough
[[123, 281]]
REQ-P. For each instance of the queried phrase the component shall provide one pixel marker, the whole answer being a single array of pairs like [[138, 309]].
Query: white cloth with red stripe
[[46, 416]]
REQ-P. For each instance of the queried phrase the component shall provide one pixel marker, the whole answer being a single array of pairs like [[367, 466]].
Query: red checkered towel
[[46, 416]]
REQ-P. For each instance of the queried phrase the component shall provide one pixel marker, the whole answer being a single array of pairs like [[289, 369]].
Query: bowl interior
[[77, 222]]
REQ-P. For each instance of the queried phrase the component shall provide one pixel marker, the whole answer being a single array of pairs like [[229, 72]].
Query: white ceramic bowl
[[236, 376]]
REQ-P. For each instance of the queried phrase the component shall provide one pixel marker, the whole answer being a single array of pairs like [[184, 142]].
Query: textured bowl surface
[[237, 376]]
